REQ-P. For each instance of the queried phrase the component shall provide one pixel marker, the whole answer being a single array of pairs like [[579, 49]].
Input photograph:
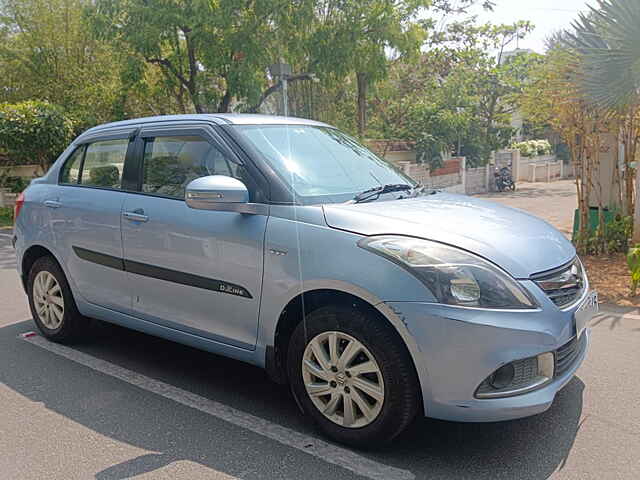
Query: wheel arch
[[304, 303], [29, 257]]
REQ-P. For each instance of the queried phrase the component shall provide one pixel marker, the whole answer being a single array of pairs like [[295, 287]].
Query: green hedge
[[33, 132]]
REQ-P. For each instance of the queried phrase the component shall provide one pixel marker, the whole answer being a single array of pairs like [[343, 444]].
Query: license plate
[[587, 309]]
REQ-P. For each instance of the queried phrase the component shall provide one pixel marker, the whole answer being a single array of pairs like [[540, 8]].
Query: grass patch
[[6, 216]]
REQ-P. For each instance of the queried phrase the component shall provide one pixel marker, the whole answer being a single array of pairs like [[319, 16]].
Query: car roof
[[217, 118]]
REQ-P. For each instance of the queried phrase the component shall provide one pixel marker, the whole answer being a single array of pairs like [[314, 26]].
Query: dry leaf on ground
[[610, 276]]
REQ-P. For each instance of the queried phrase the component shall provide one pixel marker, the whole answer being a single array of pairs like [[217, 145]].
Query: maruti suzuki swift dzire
[[284, 243]]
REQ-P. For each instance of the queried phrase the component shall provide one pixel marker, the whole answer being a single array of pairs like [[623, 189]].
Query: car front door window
[[171, 162]]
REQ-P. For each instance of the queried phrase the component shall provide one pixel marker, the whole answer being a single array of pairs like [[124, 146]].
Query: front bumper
[[458, 348]]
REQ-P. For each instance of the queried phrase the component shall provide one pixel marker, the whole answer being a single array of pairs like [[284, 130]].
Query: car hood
[[516, 241]]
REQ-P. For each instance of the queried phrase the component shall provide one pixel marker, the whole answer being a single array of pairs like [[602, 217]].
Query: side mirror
[[216, 192]]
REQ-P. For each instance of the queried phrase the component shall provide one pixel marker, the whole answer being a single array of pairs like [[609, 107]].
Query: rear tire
[[51, 302], [366, 392]]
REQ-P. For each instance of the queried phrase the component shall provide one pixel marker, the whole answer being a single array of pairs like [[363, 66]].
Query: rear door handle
[[52, 204], [135, 216]]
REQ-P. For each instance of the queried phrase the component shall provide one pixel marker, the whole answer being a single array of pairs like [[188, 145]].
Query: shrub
[[633, 261], [613, 238], [6, 216], [33, 131], [14, 184], [532, 148]]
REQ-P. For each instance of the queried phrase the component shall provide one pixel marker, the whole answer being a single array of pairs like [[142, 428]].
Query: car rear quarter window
[[103, 163]]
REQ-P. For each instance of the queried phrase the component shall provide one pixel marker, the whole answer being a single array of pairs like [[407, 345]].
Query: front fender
[[295, 263]]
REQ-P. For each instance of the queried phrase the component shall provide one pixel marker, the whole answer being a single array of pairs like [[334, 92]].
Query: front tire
[[51, 302], [353, 376]]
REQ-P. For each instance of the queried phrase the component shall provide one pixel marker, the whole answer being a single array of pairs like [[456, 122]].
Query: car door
[[184, 266], [85, 218]]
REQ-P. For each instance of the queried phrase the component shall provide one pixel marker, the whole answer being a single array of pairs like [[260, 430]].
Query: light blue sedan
[[284, 243]]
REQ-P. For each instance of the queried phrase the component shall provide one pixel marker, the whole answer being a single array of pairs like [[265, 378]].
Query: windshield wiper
[[377, 191]]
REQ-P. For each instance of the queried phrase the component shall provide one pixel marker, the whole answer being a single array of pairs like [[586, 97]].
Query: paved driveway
[[126, 405], [555, 201]]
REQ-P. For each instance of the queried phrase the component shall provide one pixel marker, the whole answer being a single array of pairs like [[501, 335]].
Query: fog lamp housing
[[518, 377], [503, 377]]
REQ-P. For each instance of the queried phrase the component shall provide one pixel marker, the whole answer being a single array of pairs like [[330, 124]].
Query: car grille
[[565, 356], [563, 285]]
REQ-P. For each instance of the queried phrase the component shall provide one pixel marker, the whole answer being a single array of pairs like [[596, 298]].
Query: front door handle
[[52, 204], [136, 216]]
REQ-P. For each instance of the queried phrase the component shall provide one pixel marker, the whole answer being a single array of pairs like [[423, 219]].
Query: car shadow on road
[[531, 448]]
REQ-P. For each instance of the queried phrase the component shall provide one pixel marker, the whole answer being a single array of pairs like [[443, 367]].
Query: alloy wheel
[[48, 300], [343, 379]]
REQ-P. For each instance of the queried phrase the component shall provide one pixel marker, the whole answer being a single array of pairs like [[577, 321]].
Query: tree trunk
[[362, 83], [192, 82], [223, 107], [636, 214], [582, 184]]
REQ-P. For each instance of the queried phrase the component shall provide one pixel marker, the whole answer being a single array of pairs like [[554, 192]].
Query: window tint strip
[[160, 273]]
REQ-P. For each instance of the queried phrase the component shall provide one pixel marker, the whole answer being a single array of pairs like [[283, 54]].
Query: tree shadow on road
[[529, 192], [530, 448]]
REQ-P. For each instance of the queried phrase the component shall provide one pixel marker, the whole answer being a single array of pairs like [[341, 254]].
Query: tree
[[554, 98], [33, 131], [456, 96], [47, 53], [355, 37], [211, 51], [607, 44]]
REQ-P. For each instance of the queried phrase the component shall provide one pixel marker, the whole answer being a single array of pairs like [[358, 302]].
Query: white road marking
[[336, 455], [5, 235]]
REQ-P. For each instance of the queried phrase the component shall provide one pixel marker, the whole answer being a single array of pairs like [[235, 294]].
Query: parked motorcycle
[[504, 179]]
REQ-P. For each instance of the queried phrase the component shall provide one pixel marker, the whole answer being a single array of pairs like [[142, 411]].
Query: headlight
[[455, 277]]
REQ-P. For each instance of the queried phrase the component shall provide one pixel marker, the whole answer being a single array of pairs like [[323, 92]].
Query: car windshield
[[321, 164]]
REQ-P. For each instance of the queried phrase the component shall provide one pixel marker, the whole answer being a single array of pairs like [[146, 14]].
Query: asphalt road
[[555, 202], [123, 405]]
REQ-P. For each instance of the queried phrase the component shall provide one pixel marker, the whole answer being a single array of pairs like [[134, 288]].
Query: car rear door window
[[171, 162], [70, 173], [103, 163]]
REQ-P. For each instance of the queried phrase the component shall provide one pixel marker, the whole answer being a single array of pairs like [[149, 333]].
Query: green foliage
[[14, 184], [633, 262], [436, 130], [455, 95], [532, 148], [207, 52], [33, 131], [618, 233], [610, 237], [48, 53], [6, 216], [104, 60], [606, 41]]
